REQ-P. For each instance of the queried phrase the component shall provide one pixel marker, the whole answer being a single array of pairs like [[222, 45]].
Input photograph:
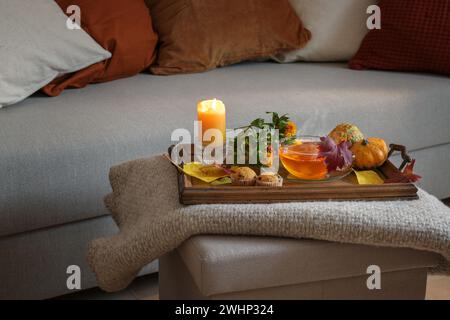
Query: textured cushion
[[224, 264], [36, 46], [414, 36], [56, 153], [337, 29], [122, 27], [200, 35]]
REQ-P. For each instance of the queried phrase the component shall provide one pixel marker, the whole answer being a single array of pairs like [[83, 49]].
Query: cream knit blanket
[[144, 203]]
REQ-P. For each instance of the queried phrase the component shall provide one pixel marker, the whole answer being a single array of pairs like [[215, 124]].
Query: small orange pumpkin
[[369, 153]]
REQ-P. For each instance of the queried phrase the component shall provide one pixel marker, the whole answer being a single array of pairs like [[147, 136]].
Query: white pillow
[[337, 26], [36, 46]]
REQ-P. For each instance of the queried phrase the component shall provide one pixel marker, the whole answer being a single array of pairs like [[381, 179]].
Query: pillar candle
[[213, 116]]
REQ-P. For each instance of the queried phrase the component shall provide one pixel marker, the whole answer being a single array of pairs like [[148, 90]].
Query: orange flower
[[291, 129]]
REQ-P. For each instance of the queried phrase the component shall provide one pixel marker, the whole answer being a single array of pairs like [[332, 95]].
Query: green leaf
[[282, 125], [259, 123], [221, 181], [289, 141], [275, 118], [284, 118]]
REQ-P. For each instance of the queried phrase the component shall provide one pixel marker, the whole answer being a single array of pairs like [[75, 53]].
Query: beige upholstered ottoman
[[225, 267]]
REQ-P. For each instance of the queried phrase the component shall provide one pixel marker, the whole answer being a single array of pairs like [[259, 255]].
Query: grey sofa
[[55, 153]]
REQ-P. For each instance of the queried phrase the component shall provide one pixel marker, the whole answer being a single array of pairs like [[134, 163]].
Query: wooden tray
[[193, 191]]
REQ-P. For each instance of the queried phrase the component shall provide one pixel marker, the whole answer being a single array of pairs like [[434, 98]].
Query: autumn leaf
[[406, 176], [224, 168], [337, 156]]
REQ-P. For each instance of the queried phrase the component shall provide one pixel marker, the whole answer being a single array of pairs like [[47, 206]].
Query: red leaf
[[406, 176], [227, 171], [337, 156]]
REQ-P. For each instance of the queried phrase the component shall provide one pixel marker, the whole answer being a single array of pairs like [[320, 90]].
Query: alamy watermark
[[73, 22], [374, 20], [374, 280], [73, 281]]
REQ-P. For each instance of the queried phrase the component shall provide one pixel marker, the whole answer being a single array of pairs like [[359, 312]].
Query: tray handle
[[404, 154]]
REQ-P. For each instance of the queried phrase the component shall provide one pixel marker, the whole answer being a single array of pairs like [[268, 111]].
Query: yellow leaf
[[368, 177], [194, 169]]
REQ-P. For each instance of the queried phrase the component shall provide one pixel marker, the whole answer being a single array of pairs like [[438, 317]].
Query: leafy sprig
[[277, 122], [281, 123]]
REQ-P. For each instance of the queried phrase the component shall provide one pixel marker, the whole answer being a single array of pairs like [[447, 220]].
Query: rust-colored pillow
[[124, 28], [198, 35]]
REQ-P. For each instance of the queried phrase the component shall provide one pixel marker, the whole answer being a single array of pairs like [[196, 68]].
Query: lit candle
[[213, 116]]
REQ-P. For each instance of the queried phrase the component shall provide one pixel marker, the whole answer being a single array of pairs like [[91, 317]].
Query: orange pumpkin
[[369, 153]]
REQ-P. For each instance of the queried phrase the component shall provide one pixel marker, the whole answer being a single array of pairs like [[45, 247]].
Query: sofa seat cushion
[[56, 152], [221, 264]]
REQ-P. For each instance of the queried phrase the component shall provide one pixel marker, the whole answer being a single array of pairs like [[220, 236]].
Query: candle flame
[[213, 105]]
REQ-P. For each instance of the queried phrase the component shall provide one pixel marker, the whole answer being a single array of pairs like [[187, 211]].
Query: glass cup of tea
[[302, 160]]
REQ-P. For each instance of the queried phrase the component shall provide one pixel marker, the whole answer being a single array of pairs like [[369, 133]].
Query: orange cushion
[[201, 35], [124, 28]]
